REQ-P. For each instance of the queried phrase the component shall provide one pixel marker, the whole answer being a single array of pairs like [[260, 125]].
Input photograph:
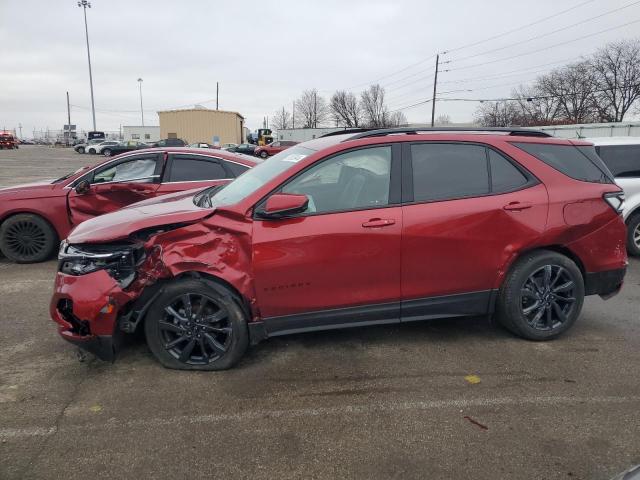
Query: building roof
[[210, 110]]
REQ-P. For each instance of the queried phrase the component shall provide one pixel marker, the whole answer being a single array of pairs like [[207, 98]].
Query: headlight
[[119, 260]]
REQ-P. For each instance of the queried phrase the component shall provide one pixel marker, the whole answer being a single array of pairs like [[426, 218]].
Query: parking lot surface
[[455, 398]]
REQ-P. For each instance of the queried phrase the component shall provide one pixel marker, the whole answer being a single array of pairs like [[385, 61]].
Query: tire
[[106, 152], [80, 150], [633, 235], [27, 238], [263, 154], [167, 322], [520, 301], [92, 151]]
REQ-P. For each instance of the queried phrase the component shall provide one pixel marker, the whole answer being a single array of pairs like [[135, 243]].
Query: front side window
[[185, 169], [354, 180], [137, 169], [448, 171]]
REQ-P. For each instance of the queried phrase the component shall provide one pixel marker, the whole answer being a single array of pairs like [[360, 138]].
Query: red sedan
[[34, 217], [273, 148]]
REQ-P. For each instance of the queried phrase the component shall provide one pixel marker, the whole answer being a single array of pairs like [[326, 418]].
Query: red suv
[[377, 227], [273, 148], [33, 217]]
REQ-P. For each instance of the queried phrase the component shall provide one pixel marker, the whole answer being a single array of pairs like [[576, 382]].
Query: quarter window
[[184, 169], [448, 171], [236, 169], [350, 181]]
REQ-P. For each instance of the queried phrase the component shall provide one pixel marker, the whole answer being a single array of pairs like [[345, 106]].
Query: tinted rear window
[[622, 160], [569, 160]]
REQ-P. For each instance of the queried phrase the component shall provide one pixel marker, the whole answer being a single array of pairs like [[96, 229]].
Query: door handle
[[517, 206], [379, 222]]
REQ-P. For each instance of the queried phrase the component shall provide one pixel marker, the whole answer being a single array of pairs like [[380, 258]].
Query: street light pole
[[85, 4], [141, 110]]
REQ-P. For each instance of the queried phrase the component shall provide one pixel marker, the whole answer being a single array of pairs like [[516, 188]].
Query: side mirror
[[83, 187], [282, 204]]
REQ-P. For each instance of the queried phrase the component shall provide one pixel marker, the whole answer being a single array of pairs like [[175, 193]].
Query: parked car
[[244, 148], [273, 148], [34, 217], [123, 147], [384, 226], [8, 141], [170, 142], [83, 146], [98, 147], [622, 156], [228, 146], [202, 145]]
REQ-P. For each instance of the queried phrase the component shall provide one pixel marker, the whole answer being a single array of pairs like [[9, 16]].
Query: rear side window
[[505, 177], [569, 160], [622, 160], [236, 168], [447, 171], [188, 169]]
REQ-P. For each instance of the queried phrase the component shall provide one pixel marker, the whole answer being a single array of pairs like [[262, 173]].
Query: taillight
[[615, 201]]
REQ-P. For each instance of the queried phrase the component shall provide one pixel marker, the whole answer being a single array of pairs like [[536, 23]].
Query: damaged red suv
[[373, 227]]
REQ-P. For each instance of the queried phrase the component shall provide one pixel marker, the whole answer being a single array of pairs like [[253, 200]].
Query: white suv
[[622, 156]]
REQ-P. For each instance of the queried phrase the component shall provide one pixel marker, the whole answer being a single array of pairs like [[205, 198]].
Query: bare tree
[[617, 71], [397, 119], [375, 111], [502, 113], [311, 109], [443, 120], [346, 109], [281, 120], [536, 108]]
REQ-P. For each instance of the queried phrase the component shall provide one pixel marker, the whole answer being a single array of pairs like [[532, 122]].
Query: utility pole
[[435, 86], [141, 109], [217, 93], [293, 113], [84, 4], [68, 113]]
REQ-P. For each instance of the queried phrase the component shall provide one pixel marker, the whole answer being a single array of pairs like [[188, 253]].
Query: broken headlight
[[119, 260]]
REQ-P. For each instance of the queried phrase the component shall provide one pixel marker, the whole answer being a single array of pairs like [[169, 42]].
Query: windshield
[[254, 178]]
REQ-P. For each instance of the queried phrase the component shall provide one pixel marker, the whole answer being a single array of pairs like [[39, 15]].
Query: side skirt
[[465, 304]]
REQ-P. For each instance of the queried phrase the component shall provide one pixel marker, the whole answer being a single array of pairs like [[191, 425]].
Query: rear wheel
[[106, 152], [80, 150], [27, 238], [263, 154], [541, 297], [633, 235], [197, 325], [92, 151]]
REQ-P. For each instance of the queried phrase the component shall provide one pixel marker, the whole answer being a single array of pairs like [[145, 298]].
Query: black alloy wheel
[[548, 297], [196, 329], [106, 152], [27, 238]]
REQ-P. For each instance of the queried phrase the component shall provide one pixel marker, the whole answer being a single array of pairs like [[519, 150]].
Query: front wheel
[[633, 236], [541, 297], [80, 150], [92, 151], [263, 154], [106, 152], [197, 325], [27, 238]]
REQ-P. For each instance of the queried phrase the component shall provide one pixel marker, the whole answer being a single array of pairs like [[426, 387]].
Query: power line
[[392, 74], [537, 37], [545, 48], [517, 29]]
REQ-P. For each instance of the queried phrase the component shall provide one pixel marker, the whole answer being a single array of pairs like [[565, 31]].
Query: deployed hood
[[122, 223]]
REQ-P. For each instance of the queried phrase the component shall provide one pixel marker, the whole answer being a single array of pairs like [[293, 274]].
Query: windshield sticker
[[293, 158]]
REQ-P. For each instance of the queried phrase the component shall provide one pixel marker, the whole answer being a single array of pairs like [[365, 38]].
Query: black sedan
[[123, 147], [245, 148]]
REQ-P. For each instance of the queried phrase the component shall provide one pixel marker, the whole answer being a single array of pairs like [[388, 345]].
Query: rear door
[[467, 209], [186, 171], [115, 185]]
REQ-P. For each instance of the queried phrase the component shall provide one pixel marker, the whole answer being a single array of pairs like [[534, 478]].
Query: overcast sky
[[265, 53]]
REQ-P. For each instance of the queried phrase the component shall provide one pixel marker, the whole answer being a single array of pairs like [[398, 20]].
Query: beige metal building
[[202, 125]]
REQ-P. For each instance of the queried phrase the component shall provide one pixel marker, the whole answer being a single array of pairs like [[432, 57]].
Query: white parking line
[[386, 407]]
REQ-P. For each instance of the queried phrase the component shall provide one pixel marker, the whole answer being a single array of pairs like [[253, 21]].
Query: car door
[[467, 209], [115, 185], [187, 171], [343, 252]]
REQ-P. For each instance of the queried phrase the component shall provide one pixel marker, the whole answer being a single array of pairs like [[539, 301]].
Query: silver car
[[622, 156]]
